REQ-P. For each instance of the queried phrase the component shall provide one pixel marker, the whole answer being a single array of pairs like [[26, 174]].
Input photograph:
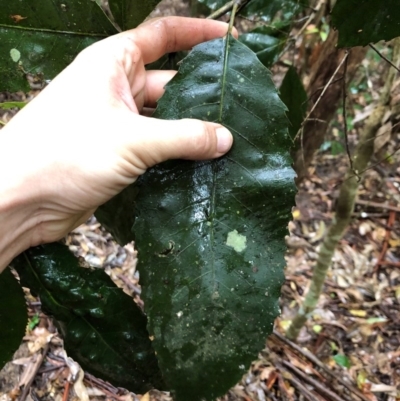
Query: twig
[[307, 354], [378, 205], [318, 386], [310, 18], [385, 58], [66, 391], [226, 8], [304, 390], [381, 258], [39, 362], [326, 87], [346, 138]]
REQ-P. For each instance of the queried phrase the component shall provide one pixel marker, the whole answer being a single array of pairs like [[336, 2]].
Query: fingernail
[[224, 140]]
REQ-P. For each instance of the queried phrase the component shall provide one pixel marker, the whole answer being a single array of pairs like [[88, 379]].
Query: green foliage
[[295, 98], [267, 42], [47, 38], [102, 327], [130, 13], [41, 37], [13, 316], [361, 22], [210, 234]]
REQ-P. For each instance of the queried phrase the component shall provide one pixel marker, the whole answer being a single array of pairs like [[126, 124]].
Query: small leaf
[[210, 234], [361, 22], [33, 322], [317, 328], [374, 320], [342, 360], [13, 316], [11, 105], [102, 327], [295, 98], [358, 312]]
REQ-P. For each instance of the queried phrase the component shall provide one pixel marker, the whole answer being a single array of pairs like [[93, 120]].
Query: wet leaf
[[361, 22], [13, 316], [102, 327], [210, 234]]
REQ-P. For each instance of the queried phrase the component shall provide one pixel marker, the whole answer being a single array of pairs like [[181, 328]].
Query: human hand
[[83, 139]]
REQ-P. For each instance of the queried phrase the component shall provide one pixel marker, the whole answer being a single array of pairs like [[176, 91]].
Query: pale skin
[[85, 138]]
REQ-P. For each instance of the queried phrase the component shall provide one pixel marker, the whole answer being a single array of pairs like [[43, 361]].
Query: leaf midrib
[[53, 31]]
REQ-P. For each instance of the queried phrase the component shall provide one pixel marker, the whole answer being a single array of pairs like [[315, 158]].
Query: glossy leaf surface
[[130, 13], [361, 22], [102, 327], [295, 98], [267, 42], [13, 316], [41, 37], [210, 234]]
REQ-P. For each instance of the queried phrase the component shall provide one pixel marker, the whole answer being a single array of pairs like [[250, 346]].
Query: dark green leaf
[[267, 42], [211, 234], [130, 13], [118, 215], [102, 328], [295, 98], [13, 316], [361, 22], [41, 37]]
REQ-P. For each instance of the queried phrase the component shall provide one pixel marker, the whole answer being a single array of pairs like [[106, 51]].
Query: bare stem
[[345, 202]]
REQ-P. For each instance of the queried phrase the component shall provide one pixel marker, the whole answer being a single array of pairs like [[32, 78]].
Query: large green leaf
[[13, 316], [210, 234], [41, 37], [295, 98], [130, 13], [361, 22], [267, 42], [102, 327]]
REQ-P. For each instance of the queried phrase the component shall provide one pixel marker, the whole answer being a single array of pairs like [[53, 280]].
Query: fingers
[[180, 139], [155, 84], [165, 35]]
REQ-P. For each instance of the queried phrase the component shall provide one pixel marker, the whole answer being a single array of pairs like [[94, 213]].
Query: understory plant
[[211, 259]]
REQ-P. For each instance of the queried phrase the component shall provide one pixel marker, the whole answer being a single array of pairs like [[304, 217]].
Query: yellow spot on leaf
[[236, 241]]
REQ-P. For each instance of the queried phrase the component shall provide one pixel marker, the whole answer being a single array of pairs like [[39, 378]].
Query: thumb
[[181, 139]]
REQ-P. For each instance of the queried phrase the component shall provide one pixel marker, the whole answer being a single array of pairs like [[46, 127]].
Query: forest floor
[[350, 347]]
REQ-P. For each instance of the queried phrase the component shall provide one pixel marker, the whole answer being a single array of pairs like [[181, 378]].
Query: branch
[[228, 7], [345, 203]]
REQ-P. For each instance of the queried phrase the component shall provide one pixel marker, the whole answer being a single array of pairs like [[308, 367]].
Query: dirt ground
[[350, 347]]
